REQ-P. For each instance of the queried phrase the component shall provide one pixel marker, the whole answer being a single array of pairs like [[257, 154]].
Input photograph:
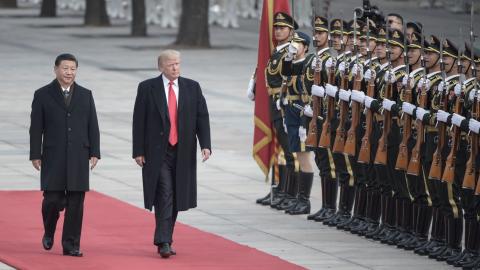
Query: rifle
[[351, 143], [402, 158], [381, 155], [312, 137], [339, 142], [325, 137], [436, 167], [365, 151]]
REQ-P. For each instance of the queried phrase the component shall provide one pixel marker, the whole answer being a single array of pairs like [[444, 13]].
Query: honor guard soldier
[[427, 115], [283, 25], [296, 105], [323, 156]]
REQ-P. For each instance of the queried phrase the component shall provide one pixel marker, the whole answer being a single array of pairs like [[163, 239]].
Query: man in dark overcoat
[[64, 137], [170, 114]]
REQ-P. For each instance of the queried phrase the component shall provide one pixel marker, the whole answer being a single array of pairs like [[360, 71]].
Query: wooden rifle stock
[[448, 173], [402, 158], [351, 143], [381, 155], [365, 148], [436, 167], [414, 165], [340, 135], [325, 137], [312, 137], [469, 178]]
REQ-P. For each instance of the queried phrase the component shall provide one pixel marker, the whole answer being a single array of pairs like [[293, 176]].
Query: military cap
[[382, 35], [434, 44], [321, 24], [358, 26], [467, 53], [449, 48], [373, 31], [396, 38], [336, 26], [283, 19], [301, 37], [417, 26], [416, 41]]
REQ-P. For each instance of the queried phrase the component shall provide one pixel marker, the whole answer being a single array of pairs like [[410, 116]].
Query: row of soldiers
[[391, 117]]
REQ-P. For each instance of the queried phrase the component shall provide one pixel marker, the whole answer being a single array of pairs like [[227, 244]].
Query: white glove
[[342, 67], [331, 90], [302, 133], [358, 96], [457, 119], [458, 89], [408, 108], [344, 95], [440, 86], [370, 73], [278, 104], [405, 81], [250, 93], [318, 91], [291, 52], [422, 81], [471, 94], [368, 101], [331, 62], [390, 77], [285, 101], [284, 125], [307, 111], [442, 116], [387, 104], [314, 63], [474, 126], [358, 68], [421, 112]]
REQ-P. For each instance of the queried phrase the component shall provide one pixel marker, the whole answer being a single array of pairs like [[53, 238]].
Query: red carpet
[[115, 235]]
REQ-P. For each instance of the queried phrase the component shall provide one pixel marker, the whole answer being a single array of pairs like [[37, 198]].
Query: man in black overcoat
[[64, 137], [170, 114]]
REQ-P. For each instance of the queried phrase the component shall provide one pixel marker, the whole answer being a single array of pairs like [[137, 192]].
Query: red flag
[[264, 144]]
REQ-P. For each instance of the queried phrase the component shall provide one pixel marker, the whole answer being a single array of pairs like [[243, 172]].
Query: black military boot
[[358, 218], [305, 188], [454, 239], [422, 226], [391, 231], [282, 187], [470, 253], [330, 200], [474, 261], [374, 231], [404, 224], [292, 191], [435, 251], [361, 226], [264, 200], [437, 223], [347, 194], [410, 224], [373, 213], [323, 208]]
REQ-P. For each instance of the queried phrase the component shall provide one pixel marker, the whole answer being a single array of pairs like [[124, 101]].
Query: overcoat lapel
[[158, 92], [75, 97], [54, 91], [181, 94]]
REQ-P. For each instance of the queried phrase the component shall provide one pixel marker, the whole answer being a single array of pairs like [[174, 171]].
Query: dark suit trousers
[[72, 202], [165, 208]]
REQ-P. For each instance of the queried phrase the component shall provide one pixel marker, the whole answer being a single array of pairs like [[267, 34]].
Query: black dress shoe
[[316, 214], [47, 242], [73, 253], [164, 250]]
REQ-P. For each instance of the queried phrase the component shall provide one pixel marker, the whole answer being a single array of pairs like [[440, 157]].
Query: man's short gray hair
[[167, 54]]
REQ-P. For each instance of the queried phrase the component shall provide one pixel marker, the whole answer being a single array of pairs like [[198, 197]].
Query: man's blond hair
[[167, 54]]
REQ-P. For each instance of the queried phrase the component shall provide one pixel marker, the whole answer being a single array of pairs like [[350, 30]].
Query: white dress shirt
[[166, 85]]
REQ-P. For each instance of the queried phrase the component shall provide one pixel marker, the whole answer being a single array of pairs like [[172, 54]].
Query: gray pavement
[[112, 64]]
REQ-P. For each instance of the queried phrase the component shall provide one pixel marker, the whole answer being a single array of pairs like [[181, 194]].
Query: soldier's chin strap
[[453, 65]]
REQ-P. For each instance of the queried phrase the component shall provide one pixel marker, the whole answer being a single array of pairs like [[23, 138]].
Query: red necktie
[[172, 111]]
